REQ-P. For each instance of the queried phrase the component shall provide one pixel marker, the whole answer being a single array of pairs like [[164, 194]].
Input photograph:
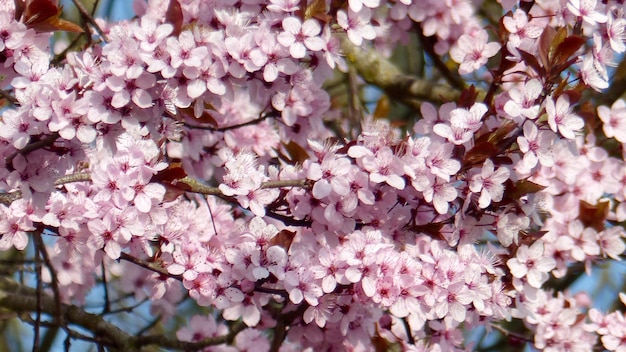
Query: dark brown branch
[[53, 276], [89, 18], [159, 270], [44, 142], [223, 129], [451, 77], [22, 299]]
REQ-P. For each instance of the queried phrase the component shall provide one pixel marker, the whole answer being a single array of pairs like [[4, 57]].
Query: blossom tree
[[211, 176]]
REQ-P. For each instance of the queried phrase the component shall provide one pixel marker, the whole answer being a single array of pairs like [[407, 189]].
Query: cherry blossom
[[530, 263], [489, 183], [472, 51], [614, 120], [229, 156], [560, 117]]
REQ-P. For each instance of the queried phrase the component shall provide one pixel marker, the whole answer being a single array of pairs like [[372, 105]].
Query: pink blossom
[[530, 263], [614, 120], [299, 36], [356, 24], [13, 230], [472, 51], [490, 183], [587, 10], [560, 117], [536, 146]]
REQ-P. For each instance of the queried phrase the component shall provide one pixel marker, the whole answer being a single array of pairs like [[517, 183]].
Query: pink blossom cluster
[[117, 157]]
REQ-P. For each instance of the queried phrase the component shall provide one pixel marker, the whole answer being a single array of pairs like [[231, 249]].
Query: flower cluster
[[196, 154]]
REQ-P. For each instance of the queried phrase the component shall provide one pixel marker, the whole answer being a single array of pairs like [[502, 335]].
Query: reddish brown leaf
[[545, 43], [44, 16], [593, 215], [468, 97], [478, 154], [317, 9], [568, 47], [283, 239], [172, 192], [382, 108], [522, 188], [173, 172], [174, 16], [19, 9], [206, 116], [296, 154], [531, 61]]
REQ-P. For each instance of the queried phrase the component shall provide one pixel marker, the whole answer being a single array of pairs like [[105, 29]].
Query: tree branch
[[410, 90], [22, 299], [196, 186]]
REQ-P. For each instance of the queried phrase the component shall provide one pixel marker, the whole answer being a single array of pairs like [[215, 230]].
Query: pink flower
[[472, 51], [13, 230], [560, 117], [383, 166], [357, 25], [536, 146], [524, 104], [490, 183], [614, 120], [242, 175], [587, 10], [530, 263], [330, 176], [299, 36], [520, 28], [184, 51], [440, 194], [301, 285]]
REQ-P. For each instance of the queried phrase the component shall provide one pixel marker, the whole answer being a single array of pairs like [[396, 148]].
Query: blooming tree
[[214, 164]]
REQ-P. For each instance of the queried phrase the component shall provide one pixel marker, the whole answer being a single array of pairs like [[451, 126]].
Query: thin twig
[[38, 297], [107, 302], [44, 142], [129, 258], [54, 278], [223, 129], [87, 16]]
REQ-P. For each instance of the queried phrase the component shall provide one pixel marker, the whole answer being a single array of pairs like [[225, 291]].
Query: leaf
[[568, 47], [468, 97], [317, 9], [382, 108], [522, 188], [169, 177], [174, 16], [295, 153], [531, 61], [283, 239], [44, 16], [172, 173], [545, 42], [478, 154], [206, 116], [593, 215]]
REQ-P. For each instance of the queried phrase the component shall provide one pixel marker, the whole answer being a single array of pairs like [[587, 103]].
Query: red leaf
[[44, 16], [478, 154], [283, 239], [531, 61], [545, 43], [593, 215], [172, 173], [566, 48], [295, 153], [174, 16]]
